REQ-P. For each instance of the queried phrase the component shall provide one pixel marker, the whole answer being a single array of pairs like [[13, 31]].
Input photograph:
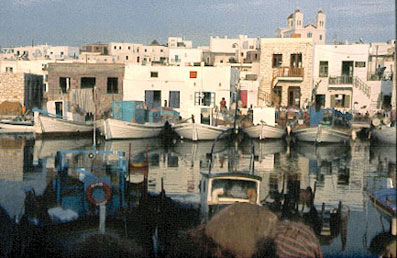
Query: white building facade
[[341, 79], [183, 88]]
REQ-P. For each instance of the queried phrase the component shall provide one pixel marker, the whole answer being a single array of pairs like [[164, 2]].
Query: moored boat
[[50, 124], [326, 126], [385, 134], [118, 129], [199, 132], [13, 126], [264, 125]]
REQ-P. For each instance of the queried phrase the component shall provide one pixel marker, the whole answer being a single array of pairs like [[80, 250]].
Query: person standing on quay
[[223, 105]]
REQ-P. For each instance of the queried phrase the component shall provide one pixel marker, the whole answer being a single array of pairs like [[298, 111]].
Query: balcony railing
[[338, 80], [288, 72], [385, 76]]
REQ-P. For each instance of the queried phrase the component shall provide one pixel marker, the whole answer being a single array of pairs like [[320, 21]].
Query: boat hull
[[117, 129], [15, 128], [264, 131], [58, 126], [385, 134], [198, 132], [321, 135]]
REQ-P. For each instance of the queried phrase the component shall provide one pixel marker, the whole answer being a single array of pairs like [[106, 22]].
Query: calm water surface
[[338, 173]]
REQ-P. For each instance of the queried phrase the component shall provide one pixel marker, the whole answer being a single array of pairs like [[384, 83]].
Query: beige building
[[296, 29], [286, 67]]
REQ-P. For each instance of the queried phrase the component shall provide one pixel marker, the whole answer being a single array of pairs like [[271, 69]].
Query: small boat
[[326, 126], [384, 130], [46, 123], [118, 129], [220, 189], [385, 134], [264, 125], [15, 126], [199, 132]]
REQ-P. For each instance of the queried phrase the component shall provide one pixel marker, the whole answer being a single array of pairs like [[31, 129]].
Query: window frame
[[112, 85], [277, 60], [323, 70]]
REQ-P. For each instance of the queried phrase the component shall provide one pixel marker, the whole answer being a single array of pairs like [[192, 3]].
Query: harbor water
[[339, 175]]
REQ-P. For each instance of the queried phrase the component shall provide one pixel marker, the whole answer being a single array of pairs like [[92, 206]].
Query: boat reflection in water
[[161, 199]]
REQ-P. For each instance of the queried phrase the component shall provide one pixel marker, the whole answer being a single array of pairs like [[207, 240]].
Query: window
[[61, 53], [154, 74], [277, 60], [340, 100], [126, 57], [321, 36], [145, 50], [204, 98], [161, 50], [193, 74], [64, 84], [360, 64], [323, 69], [296, 60], [87, 82], [120, 47], [309, 34], [115, 47], [174, 99], [129, 47], [9, 69], [176, 58], [112, 86], [137, 59]]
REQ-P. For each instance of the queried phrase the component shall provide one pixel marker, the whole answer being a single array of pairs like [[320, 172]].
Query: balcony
[[340, 80], [288, 73]]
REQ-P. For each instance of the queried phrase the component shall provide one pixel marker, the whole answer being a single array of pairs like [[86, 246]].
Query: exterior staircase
[[361, 85]]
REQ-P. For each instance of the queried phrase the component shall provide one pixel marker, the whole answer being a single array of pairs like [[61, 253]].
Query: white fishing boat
[[323, 128], [384, 130], [199, 132], [46, 124], [264, 125], [14, 126], [321, 135], [385, 134], [118, 129]]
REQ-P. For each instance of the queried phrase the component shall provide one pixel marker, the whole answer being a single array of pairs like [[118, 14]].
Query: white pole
[[102, 218]]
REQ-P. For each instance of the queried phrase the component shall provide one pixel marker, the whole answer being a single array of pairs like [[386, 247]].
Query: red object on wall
[[193, 74], [243, 97]]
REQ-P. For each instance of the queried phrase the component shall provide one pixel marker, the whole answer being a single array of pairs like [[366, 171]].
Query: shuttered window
[[174, 98]]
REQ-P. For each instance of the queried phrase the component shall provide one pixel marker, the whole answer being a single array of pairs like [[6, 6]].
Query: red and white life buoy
[[106, 189]]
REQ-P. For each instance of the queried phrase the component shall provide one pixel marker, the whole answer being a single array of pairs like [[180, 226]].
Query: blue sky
[[74, 22]]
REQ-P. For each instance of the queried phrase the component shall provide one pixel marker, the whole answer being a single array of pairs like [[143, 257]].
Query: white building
[[39, 52], [296, 29], [185, 56], [177, 42], [232, 50], [183, 87], [138, 53], [341, 79]]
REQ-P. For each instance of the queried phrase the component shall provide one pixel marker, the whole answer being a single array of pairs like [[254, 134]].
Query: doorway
[[153, 99], [347, 72], [59, 108], [294, 96]]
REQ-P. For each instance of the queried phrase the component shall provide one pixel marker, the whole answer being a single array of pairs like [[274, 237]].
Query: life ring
[[106, 189]]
